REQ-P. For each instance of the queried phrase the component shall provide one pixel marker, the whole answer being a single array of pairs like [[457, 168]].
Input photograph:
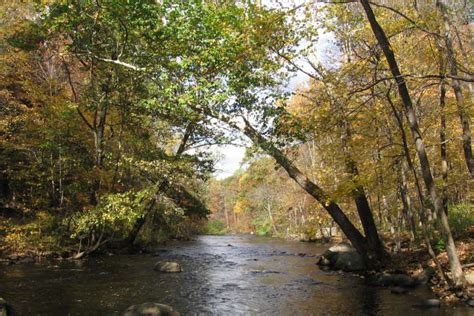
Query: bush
[[214, 227], [461, 218], [39, 233], [263, 226]]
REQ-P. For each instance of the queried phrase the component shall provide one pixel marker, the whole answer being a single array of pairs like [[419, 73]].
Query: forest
[[111, 110]]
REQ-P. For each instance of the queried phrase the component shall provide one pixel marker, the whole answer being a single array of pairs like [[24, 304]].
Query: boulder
[[399, 290], [168, 267], [150, 309], [3, 307], [402, 280], [425, 276], [342, 257], [342, 247], [349, 261], [26, 259], [397, 280]]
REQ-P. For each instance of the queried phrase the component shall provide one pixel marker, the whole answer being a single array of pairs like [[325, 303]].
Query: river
[[223, 275]]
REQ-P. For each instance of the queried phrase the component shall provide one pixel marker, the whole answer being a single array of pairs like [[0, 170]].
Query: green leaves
[[115, 214], [28, 37]]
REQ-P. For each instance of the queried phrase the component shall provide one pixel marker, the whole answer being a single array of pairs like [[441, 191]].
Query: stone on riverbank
[[397, 280], [342, 257], [404, 280], [150, 309], [168, 267]]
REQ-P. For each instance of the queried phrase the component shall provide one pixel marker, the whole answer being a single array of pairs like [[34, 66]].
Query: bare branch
[[120, 63]]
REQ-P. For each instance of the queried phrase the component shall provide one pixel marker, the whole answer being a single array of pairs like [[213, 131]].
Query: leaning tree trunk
[[455, 265], [352, 233]]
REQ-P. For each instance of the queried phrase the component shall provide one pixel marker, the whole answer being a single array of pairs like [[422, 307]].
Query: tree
[[456, 269]]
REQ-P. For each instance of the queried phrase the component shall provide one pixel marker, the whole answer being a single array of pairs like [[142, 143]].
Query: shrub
[[461, 218], [214, 227]]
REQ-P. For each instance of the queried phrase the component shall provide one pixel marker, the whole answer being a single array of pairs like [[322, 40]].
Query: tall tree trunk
[[456, 85], [99, 133], [442, 137], [137, 226], [359, 195], [226, 215], [270, 215], [455, 265], [406, 201]]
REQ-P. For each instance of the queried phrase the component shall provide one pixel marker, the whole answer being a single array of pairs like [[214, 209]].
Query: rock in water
[[432, 302], [399, 290], [349, 261], [342, 247], [398, 279], [168, 267], [3, 307], [26, 260], [150, 309], [342, 257]]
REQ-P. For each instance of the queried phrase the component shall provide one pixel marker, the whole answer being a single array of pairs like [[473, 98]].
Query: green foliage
[[439, 245], [263, 226], [115, 214], [28, 37], [38, 234], [461, 218], [214, 227]]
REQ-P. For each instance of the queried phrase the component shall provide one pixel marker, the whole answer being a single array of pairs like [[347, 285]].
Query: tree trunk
[[406, 201], [360, 197], [455, 266], [442, 138], [456, 85], [352, 233], [226, 215], [270, 215], [99, 132]]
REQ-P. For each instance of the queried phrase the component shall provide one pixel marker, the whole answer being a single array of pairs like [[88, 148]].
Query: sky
[[232, 155]]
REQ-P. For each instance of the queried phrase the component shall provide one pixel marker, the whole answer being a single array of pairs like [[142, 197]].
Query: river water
[[223, 275]]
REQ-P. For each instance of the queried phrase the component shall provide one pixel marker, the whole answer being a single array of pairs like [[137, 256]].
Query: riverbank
[[411, 266], [414, 260]]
